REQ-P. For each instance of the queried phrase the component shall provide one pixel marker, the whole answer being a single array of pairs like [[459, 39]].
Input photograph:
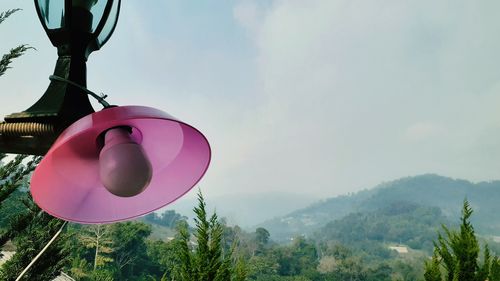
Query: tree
[[13, 53], [163, 257], [97, 237], [495, 270], [205, 259], [13, 177], [116, 251], [168, 219], [29, 242], [458, 253], [261, 239], [14, 173], [26, 225], [23, 222], [297, 258], [129, 249], [433, 269], [262, 235]]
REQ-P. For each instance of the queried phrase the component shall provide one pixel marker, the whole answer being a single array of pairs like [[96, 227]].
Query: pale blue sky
[[317, 97]]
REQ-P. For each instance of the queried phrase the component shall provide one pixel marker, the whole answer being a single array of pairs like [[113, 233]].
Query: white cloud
[[319, 97], [342, 80], [247, 13], [422, 131]]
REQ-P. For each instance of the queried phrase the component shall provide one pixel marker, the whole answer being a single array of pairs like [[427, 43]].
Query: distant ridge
[[427, 190]]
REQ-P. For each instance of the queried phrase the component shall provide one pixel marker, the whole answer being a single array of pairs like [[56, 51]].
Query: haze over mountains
[[426, 190], [286, 215], [389, 229], [244, 209]]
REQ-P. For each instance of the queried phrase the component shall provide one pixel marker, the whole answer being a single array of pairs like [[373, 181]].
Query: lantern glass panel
[[52, 12], [97, 12], [96, 9], [109, 27]]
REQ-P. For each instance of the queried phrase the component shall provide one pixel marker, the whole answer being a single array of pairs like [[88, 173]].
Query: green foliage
[[97, 237], [300, 255], [263, 265], [111, 252], [14, 202], [162, 257], [495, 270], [400, 222], [14, 174], [101, 275], [407, 269], [430, 190], [214, 251], [261, 240], [6, 14], [13, 53], [240, 270], [168, 219], [79, 268], [458, 252], [21, 220], [205, 260], [29, 242], [262, 236], [433, 269], [129, 249], [26, 225]]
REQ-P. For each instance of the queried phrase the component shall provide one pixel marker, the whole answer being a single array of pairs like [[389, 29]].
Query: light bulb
[[124, 168]]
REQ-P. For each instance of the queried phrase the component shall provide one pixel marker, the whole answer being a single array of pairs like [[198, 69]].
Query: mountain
[[426, 190], [245, 209], [400, 223]]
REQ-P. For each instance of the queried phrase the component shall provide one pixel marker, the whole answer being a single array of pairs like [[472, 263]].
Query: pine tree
[[14, 177], [28, 227], [495, 270], [433, 269], [206, 261], [13, 174], [458, 253], [6, 14], [13, 53], [240, 270], [29, 242]]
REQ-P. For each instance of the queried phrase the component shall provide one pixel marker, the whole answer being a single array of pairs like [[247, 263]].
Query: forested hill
[[426, 190]]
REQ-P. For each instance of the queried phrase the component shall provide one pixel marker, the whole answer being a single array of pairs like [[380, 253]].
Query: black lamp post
[[76, 28]]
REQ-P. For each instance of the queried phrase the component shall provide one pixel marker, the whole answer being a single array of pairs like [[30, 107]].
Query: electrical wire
[[100, 99], [41, 252]]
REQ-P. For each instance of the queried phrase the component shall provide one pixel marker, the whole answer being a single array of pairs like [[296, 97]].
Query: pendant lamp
[[106, 166], [70, 181]]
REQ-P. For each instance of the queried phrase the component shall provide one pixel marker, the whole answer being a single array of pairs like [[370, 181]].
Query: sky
[[315, 98]]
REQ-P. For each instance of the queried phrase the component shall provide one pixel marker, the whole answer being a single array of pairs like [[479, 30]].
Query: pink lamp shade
[[67, 182]]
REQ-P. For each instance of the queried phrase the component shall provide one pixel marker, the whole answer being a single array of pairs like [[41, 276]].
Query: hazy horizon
[[250, 210], [316, 98]]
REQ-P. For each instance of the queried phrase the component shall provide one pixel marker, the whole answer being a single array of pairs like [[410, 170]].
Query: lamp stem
[[62, 103], [42, 251]]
